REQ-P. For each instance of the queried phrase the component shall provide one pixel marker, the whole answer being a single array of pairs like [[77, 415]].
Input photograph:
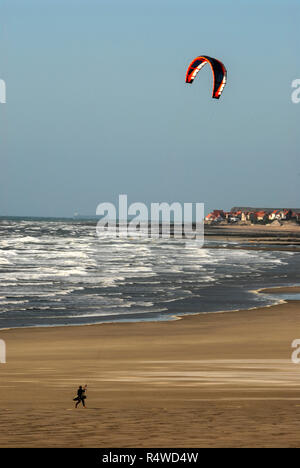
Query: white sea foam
[[109, 313], [61, 266], [12, 302], [4, 261], [28, 239]]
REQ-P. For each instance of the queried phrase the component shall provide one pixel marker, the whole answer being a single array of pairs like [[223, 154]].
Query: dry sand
[[212, 380]]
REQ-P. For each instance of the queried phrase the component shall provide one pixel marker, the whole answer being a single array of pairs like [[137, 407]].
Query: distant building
[[296, 216], [254, 215], [283, 215], [262, 215], [257, 209], [274, 215], [245, 216], [216, 216]]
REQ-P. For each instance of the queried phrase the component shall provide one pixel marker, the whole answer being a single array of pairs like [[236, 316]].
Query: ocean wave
[[4, 261], [63, 268], [113, 314], [13, 302]]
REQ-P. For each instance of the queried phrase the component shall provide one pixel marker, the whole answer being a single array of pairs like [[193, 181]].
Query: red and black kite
[[218, 69]]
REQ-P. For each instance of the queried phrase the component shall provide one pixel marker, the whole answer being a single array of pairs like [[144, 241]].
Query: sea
[[59, 272]]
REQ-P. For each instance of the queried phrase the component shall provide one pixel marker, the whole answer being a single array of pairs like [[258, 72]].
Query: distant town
[[248, 215]]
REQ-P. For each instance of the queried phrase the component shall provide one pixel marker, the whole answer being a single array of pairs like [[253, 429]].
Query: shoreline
[[224, 379], [180, 316]]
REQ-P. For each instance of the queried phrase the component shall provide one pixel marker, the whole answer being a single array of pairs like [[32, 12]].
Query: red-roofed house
[[216, 215], [261, 215]]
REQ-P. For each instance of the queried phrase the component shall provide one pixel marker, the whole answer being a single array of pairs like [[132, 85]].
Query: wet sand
[[284, 290], [210, 380], [244, 229], [266, 237]]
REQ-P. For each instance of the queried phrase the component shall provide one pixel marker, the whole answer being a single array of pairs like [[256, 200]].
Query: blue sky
[[97, 104]]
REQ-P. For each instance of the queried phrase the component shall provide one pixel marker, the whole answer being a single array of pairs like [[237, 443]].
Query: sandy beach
[[264, 237], [149, 226], [210, 380]]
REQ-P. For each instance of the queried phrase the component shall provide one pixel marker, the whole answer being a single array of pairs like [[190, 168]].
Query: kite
[[218, 69]]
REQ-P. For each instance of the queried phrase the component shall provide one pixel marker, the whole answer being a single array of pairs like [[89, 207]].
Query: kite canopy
[[218, 69]]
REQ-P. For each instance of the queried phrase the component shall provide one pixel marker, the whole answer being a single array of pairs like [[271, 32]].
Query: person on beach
[[81, 396]]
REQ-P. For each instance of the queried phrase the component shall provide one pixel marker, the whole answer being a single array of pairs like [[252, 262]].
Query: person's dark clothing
[[80, 397]]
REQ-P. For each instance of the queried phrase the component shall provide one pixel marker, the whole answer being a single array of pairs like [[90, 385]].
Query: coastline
[[76, 290], [213, 375], [179, 316]]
